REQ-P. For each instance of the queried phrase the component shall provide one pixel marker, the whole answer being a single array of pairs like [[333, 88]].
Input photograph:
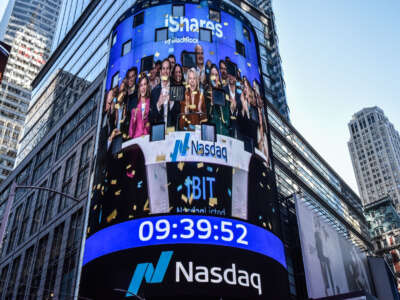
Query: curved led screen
[[183, 162]]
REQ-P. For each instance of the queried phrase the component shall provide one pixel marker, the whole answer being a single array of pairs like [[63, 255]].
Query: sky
[[338, 56]]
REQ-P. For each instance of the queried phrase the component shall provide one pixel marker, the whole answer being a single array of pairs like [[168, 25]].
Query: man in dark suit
[[162, 109], [235, 105]]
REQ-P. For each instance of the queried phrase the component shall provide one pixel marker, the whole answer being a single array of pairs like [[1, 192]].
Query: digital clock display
[[184, 229]]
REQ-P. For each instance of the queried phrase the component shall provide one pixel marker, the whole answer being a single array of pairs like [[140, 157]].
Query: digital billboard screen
[[183, 136]]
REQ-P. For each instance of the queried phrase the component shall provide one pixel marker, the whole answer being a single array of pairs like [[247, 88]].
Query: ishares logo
[[149, 273], [176, 24]]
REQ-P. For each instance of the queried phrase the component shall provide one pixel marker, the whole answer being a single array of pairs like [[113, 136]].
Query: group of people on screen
[[185, 95]]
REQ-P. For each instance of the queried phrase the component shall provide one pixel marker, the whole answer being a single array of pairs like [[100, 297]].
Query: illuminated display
[[183, 164], [188, 229]]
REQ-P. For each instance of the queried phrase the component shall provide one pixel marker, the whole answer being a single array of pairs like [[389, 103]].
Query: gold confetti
[[146, 206], [88, 230], [213, 77], [170, 129], [200, 165], [157, 54], [268, 187], [181, 165], [261, 185], [217, 170], [192, 106], [236, 53], [249, 64], [128, 166], [117, 193], [263, 173], [130, 216], [264, 225], [134, 207], [191, 199], [226, 23], [270, 225], [213, 201], [212, 52], [194, 93], [184, 198], [226, 97], [164, 78], [114, 181], [171, 208], [160, 157], [95, 207], [233, 117], [120, 155], [117, 106], [98, 186], [112, 216], [102, 188], [121, 121], [132, 173]]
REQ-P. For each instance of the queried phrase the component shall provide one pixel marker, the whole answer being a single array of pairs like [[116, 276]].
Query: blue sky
[[338, 57]]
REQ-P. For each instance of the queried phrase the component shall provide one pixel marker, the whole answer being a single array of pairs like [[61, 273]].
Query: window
[[25, 272], [240, 48], [13, 276], [3, 277], [14, 227], [126, 47], [246, 34], [83, 175], [38, 268], [37, 213], [53, 261], [114, 80], [215, 15], [25, 220], [138, 19], [67, 183], [161, 34], [113, 39], [48, 213], [205, 35], [71, 255], [178, 10]]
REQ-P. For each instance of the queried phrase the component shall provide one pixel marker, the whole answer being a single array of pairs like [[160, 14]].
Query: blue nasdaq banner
[[184, 229]]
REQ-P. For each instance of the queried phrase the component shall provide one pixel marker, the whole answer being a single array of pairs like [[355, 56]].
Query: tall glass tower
[[29, 29]]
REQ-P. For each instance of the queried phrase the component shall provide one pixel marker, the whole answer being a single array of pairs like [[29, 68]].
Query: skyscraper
[[375, 153], [41, 248], [30, 27]]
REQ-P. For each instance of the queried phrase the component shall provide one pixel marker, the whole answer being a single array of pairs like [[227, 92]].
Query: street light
[[10, 201], [128, 292]]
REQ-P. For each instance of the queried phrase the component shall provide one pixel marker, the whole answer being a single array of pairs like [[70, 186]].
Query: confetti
[[191, 199], [263, 173], [179, 187], [114, 181], [213, 201], [212, 52], [120, 155], [192, 106], [117, 193], [225, 23], [261, 185], [131, 174], [217, 170], [194, 93], [88, 230], [98, 186], [134, 207], [130, 216], [128, 166], [117, 106], [164, 78], [226, 95], [170, 129], [139, 184], [171, 208], [264, 225], [229, 192], [112, 216], [233, 171], [249, 64], [236, 53], [157, 54], [160, 157], [146, 206], [200, 165], [213, 77], [184, 198], [209, 169], [181, 165], [100, 215], [270, 225]]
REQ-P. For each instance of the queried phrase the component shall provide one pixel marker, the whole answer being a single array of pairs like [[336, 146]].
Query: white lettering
[[188, 274], [201, 274]]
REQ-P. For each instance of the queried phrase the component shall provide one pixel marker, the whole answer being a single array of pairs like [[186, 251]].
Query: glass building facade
[[43, 231]]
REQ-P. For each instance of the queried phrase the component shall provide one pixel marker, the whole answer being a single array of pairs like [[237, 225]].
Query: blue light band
[[125, 236]]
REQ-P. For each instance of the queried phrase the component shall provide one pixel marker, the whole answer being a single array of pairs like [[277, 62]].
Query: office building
[[41, 248], [375, 153], [384, 224], [29, 29]]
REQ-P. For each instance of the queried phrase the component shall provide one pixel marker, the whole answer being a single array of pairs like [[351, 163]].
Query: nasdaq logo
[[150, 274], [198, 149], [180, 147]]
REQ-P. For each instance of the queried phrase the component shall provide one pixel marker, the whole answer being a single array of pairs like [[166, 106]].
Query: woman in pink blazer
[[140, 124]]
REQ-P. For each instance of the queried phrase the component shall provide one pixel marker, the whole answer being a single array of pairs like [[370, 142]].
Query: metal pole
[[46, 189]]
